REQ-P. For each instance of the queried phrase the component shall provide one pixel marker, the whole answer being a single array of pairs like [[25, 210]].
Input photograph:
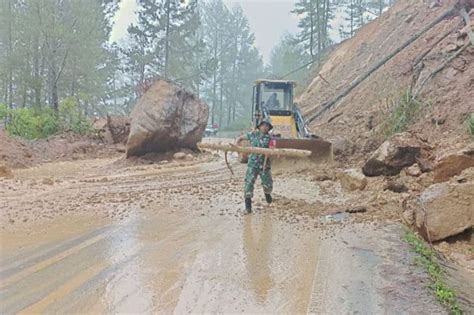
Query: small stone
[[48, 181], [359, 209], [413, 171], [395, 187], [179, 155], [352, 179]]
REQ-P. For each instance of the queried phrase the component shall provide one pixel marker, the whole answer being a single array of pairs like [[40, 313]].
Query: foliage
[[405, 110], [470, 124], [30, 124], [315, 17], [3, 112], [33, 123], [70, 117], [51, 49], [286, 58], [427, 258]]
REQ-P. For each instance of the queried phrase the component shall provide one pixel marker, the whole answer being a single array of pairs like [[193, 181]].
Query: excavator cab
[[273, 100]]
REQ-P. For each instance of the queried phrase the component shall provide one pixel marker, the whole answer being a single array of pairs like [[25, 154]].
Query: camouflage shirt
[[258, 140]]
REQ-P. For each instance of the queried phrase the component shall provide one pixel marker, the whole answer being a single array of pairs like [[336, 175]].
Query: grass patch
[[404, 111], [470, 124], [427, 258]]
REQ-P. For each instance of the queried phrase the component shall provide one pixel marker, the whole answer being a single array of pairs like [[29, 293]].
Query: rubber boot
[[248, 205], [269, 198]]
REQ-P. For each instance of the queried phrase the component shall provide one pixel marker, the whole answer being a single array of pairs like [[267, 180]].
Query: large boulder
[[453, 164], [393, 155], [352, 179], [446, 209], [166, 118]]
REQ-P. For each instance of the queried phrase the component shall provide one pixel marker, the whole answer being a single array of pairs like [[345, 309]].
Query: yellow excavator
[[273, 100]]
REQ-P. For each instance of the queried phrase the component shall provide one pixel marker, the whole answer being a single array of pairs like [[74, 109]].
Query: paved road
[[146, 239]]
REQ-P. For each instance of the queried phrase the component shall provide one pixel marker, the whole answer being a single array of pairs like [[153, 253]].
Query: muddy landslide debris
[[166, 118]]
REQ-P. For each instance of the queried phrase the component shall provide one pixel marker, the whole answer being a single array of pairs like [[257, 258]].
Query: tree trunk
[[37, 75], [55, 98], [327, 9], [73, 80], [10, 54], [311, 39], [318, 23], [167, 40], [221, 82], [214, 78], [352, 18]]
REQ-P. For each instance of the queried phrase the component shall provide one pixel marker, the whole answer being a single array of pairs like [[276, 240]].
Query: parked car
[[210, 131]]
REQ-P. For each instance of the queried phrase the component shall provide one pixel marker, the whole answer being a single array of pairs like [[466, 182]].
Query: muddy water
[[163, 239], [162, 263]]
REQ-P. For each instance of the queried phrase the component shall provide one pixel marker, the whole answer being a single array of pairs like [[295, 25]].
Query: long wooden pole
[[267, 152]]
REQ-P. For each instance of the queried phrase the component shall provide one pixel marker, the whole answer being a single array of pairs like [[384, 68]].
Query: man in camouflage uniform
[[259, 138]]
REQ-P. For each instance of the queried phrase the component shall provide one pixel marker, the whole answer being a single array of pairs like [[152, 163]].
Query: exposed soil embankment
[[447, 98]]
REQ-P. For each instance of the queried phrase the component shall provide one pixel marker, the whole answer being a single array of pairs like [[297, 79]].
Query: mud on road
[[98, 236]]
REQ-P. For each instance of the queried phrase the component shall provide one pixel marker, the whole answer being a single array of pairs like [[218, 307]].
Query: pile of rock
[[446, 206]]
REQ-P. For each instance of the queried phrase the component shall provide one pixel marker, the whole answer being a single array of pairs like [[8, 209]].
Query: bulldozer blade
[[321, 151]]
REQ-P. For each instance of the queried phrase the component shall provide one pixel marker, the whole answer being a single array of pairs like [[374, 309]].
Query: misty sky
[[269, 20]]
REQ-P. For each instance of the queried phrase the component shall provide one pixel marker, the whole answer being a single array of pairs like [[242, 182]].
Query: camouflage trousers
[[251, 176]]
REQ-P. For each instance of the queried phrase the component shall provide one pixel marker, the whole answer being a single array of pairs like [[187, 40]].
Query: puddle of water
[[336, 217]]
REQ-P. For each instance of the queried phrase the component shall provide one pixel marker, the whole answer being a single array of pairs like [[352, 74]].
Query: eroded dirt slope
[[447, 99]]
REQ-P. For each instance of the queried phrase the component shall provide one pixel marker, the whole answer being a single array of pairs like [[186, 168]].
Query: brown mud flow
[[99, 237]]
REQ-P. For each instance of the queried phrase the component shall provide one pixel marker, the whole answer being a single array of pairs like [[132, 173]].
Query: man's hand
[[240, 139]]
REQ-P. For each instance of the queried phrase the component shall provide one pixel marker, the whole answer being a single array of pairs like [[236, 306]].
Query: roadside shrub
[[470, 124], [72, 119], [24, 122], [404, 111], [3, 111], [34, 123]]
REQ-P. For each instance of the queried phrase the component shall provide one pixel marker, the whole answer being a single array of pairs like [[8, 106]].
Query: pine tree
[[314, 24], [286, 57], [233, 65], [165, 41], [55, 49]]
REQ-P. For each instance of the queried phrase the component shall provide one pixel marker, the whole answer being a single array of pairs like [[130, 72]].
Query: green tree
[[164, 42], [314, 24], [288, 59], [233, 65]]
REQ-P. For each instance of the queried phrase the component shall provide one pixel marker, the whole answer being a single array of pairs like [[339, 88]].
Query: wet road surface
[[162, 240]]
